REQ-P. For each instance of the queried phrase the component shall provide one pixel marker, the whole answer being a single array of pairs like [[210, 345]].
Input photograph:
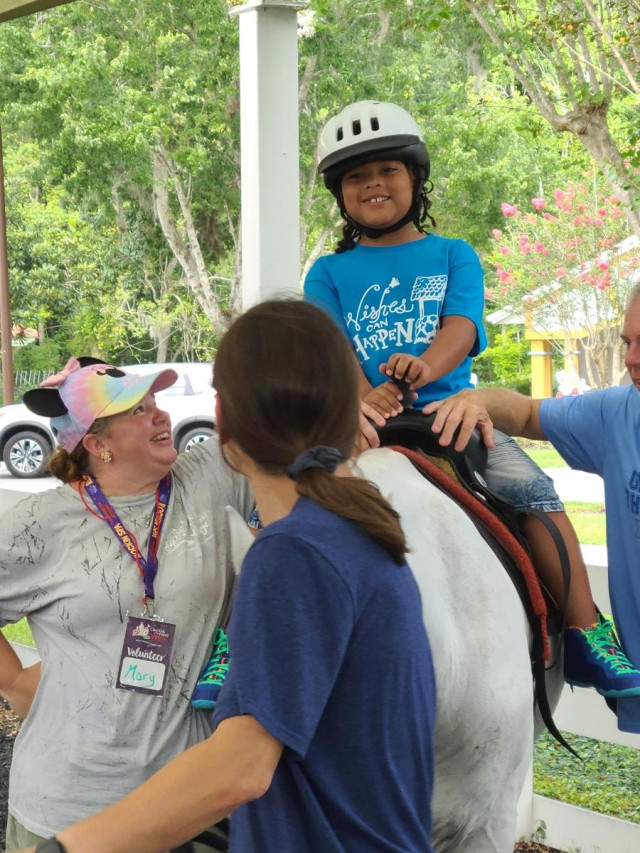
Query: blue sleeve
[[292, 619], [575, 427], [320, 290], [465, 290]]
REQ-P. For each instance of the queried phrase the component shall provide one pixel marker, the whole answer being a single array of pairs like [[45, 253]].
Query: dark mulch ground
[[9, 725]]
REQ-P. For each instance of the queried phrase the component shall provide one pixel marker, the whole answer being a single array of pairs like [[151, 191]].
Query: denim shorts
[[516, 478]]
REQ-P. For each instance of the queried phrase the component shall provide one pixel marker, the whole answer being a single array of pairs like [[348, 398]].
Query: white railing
[[582, 712]]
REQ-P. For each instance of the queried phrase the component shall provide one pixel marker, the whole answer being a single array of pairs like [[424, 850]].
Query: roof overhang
[[10, 9]]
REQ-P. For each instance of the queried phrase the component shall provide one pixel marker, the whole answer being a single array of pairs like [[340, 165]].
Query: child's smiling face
[[378, 194]]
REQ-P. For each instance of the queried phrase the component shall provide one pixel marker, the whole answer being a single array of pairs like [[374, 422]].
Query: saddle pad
[[496, 527]]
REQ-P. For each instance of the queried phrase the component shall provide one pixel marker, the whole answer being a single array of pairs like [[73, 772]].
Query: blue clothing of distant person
[[329, 653], [599, 432], [390, 299]]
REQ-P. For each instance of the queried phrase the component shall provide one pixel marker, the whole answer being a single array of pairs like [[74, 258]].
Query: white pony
[[480, 641]]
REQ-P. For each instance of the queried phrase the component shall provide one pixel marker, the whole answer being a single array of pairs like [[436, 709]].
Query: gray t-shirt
[[86, 743]]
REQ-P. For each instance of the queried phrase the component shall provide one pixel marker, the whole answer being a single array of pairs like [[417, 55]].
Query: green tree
[[566, 263]]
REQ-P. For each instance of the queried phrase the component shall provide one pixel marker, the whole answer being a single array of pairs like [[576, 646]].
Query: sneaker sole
[[205, 704], [608, 694]]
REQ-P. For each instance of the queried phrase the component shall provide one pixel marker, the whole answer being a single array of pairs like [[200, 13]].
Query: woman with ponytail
[[323, 736]]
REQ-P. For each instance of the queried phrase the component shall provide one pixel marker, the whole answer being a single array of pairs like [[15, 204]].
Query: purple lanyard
[[148, 566]]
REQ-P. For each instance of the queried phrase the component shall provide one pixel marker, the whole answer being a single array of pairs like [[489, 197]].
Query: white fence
[[583, 712]]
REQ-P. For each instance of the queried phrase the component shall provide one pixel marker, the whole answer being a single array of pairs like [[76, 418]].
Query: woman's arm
[[18, 684], [195, 790]]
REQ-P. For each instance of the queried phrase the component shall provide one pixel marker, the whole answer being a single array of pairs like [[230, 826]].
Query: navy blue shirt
[[329, 653]]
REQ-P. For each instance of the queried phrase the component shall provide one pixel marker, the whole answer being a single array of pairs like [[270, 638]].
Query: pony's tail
[[359, 501]]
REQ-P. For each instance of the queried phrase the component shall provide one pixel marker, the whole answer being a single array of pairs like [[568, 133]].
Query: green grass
[[543, 454], [19, 633], [589, 522], [607, 780]]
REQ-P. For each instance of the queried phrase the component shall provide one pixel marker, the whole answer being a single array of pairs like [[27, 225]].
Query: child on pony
[[411, 304]]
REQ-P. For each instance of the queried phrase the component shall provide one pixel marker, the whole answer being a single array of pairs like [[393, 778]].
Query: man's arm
[[509, 412], [198, 788]]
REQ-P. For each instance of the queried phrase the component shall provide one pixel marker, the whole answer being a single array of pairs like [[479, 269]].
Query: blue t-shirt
[[329, 653], [389, 299], [599, 432]]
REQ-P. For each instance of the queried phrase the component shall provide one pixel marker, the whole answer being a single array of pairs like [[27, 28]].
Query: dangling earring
[[106, 456]]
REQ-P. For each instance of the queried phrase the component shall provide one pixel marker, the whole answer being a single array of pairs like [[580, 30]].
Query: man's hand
[[465, 410], [411, 368]]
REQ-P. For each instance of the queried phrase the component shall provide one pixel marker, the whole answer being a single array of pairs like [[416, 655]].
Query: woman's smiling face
[[140, 440]]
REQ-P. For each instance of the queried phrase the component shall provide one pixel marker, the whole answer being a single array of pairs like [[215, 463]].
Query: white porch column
[[269, 158]]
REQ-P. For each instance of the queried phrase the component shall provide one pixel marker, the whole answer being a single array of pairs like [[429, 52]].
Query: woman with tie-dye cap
[[123, 575]]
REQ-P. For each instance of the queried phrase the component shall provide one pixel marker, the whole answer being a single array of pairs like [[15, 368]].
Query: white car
[[26, 439]]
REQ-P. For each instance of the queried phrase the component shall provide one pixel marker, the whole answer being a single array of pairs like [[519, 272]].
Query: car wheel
[[194, 436], [26, 454]]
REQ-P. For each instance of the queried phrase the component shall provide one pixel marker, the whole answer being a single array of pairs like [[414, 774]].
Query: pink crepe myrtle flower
[[577, 221], [506, 277], [539, 247], [539, 203], [597, 221], [602, 211], [509, 209], [504, 250], [604, 265], [496, 233], [488, 293], [561, 271]]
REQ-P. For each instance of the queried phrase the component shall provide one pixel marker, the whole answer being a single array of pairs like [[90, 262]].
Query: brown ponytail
[[287, 381], [359, 501]]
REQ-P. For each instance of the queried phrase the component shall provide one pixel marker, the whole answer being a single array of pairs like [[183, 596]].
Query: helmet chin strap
[[375, 233]]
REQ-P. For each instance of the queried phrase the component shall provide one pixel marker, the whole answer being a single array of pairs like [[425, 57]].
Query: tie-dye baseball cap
[[88, 389]]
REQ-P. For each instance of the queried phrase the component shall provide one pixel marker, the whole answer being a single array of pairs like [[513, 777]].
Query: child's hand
[[385, 399], [411, 368]]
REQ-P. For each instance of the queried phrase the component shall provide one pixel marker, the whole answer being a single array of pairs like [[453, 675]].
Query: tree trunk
[[182, 237]]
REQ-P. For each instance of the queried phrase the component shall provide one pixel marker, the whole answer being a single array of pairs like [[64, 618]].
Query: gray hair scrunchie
[[315, 457]]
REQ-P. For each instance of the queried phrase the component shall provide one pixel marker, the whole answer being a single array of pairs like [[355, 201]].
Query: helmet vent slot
[[375, 124], [339, 134], [357, 129]]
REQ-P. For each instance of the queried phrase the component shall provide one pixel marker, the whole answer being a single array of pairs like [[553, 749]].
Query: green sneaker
[[593, 658], [205, 693]]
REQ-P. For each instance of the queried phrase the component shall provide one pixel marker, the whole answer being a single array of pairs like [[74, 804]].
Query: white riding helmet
[[367, 131]]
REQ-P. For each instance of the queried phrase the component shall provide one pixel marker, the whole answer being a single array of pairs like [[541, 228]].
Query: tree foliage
[[121, 127], [566, 263], [579, 63]]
